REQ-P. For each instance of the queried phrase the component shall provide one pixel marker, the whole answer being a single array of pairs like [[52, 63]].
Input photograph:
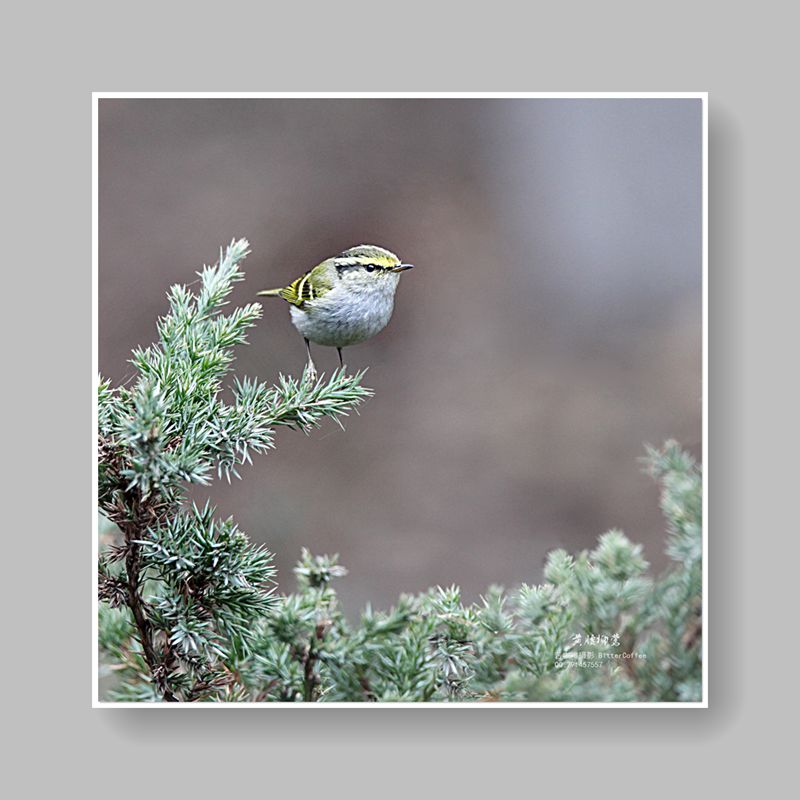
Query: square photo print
[[400, 400]]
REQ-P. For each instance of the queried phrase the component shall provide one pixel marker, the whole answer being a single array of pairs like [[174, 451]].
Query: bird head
[[368, 265]]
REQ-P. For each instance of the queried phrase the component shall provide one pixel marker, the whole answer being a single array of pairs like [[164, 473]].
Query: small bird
[[345, 300]]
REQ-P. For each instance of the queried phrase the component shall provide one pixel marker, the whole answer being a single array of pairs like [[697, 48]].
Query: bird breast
[[345, 316]]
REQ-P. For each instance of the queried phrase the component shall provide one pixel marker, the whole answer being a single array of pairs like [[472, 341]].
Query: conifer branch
[[188, 586], [188, 610]]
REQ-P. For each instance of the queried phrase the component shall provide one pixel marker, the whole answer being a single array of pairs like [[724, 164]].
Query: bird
[[344, 300]]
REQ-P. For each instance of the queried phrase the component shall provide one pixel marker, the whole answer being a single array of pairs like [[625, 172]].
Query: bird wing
[[311, 286]]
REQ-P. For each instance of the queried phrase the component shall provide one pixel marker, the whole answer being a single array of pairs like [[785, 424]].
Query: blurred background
[[553, 324]]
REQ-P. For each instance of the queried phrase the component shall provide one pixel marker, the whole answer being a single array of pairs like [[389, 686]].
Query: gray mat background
[[55, 57]]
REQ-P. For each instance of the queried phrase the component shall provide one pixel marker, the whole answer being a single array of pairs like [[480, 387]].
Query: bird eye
[[370, 268]]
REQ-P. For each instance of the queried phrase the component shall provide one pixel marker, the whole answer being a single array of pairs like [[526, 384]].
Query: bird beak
[[403, 268]]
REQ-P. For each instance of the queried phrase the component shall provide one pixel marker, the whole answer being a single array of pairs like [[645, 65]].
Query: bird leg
[[312, 370], [341, 362]]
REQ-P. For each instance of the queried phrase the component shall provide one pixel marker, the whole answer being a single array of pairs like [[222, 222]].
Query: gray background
[[60, 742], [551, 328]]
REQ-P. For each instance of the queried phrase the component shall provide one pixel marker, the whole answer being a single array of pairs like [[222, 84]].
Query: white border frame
[[97, 96]]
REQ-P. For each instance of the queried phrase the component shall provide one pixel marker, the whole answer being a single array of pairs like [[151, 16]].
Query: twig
[[311, 657], [158, 668]]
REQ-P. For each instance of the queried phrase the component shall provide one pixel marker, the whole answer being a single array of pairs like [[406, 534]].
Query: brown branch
[[310, 679], [158, 667]]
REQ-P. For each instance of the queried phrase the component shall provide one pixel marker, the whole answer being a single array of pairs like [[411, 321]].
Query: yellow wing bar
[[296, 292]]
